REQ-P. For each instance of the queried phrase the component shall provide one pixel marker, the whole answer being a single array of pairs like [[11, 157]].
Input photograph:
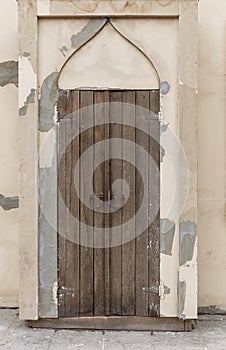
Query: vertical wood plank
[[142, 99], [115, 218], [128, 210], [99, 218], [107, 221], [68, 165], [72, 249], [62, 110], [86, 253], [154, 203]]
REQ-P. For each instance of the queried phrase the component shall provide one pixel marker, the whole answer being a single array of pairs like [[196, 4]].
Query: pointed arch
[[146, 77]]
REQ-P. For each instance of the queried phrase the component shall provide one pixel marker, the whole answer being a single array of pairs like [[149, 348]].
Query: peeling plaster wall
[[9, 201], [211, 154]]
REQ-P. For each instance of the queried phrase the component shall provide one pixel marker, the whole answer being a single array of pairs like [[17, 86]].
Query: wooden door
[[120, 280]]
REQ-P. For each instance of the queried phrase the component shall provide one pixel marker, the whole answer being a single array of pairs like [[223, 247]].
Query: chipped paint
[[47, 148], [92, 27], [9, 73], [48, 102], [167, 232], [182, 297], [30, 99], [29, 79], [55, 295], [187, 232], [8, 203]]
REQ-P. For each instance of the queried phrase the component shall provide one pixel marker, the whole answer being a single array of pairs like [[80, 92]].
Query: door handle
[[110, 196]]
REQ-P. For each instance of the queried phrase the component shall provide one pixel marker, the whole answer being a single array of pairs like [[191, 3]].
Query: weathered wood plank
[[62, 110], [128, 210], [100, 191], [116, 323], [86, 215], [72, 249], [115, 217], [68, 178], [154, 207], [106, 221], [142, 100]]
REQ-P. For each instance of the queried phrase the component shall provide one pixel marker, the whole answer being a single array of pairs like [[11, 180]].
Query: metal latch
[[151, 290], [160, 290], [64, 290]]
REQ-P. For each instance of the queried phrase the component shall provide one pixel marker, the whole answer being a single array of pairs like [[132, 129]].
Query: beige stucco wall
[[211, 171], [211, 153], [9, 231]]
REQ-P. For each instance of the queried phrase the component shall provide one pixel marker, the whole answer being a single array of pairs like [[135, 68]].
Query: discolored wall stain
[[211, 310], [167, 231], [25, 54], [187, 233], [9, 73], [182, 298], [8, 203], [47, 102], [30, 99]]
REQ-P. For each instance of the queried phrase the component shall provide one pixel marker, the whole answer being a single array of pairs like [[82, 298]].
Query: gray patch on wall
[[47, 240], [187, 233], [47, 102], [164, 127], [166, 290], [8, 203], [8, 73], [182, 297], [92, 27], [164, 87], [25, 54], [167, 231], [30, 99], [162, 153]]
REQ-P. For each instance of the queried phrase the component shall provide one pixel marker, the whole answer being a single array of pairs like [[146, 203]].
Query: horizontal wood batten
[[115, 323]]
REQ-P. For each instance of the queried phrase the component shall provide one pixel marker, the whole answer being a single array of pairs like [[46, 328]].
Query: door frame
[[31, 178]]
